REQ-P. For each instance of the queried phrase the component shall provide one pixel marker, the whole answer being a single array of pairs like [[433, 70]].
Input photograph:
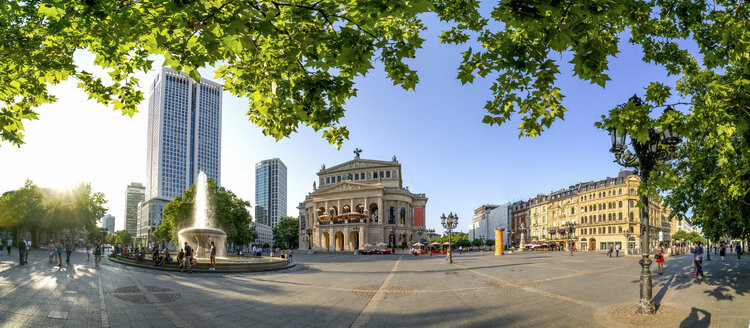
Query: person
[[68, 249], [21, 250], [617, 250], [609, 251], [193, 263], [155, 256], [289, 255], [255, 250], [460, 249], [738, 250], [188, 257], [273, 252], [722, 252], [125, 251], [52, 251], [259, 251], [59, 251], [698, 258], [97, 253], [660, 259], [10, 244], [212, 257], [180, 256], [89, 248], [28, 249], [283, 254], [166, 258]]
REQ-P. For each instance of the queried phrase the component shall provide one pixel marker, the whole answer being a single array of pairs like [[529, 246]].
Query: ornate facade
[[360, 202]]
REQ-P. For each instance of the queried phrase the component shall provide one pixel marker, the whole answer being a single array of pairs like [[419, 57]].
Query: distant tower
[[270, 191], [134, 194], [108, 222], [184, 138]]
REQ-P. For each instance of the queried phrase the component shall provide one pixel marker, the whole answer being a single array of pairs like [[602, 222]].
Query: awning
[[552, 232], [561, 231]]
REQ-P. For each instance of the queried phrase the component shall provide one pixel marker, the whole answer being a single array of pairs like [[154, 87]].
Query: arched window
[[620, 191], [619, 229], [609, 217], [403, 216], [619, 216], [632, 191], [619, 204], [391, 215]]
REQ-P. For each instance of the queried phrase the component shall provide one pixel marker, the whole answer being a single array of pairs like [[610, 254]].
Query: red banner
[[418, 217]]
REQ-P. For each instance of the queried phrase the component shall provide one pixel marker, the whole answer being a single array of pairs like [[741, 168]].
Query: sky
[[436, 133]]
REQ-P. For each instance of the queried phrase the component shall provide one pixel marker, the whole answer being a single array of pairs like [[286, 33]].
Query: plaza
[[531, 289]]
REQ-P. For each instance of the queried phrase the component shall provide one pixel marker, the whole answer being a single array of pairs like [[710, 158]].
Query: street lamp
[[627, 239], [393, 234], [571, 227], [647, 155], [482, 238], [309, 238], [449, 223]]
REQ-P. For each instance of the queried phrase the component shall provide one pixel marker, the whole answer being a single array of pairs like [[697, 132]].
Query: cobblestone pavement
[[537, 289]]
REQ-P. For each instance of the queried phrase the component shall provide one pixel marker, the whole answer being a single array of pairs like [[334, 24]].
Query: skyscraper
[[108, 222], [184, 138], [134, 194], [270, 191]]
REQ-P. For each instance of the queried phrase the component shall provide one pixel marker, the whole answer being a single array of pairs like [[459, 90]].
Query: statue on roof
[[357, 151], [394, 158], [322, 167]]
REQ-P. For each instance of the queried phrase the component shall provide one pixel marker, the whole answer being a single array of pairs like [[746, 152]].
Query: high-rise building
[[108, 222], [184, 138], [270, 191], [134, 194]]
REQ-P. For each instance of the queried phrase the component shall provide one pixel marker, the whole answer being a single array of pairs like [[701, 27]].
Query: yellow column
[[499, 241]]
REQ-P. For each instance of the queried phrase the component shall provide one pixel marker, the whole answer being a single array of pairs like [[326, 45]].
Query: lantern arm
[[627, 159]]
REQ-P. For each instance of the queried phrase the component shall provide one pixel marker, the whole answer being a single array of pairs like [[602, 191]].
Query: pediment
[[358, 164], [348, 186]]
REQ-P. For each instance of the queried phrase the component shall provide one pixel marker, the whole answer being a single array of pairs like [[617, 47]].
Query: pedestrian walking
[[212, 257], [59, 247], [68, 249], [89, 248], [698, 258], [28, 249], [97, 253], [21, 251], [660, 259], [52, 250], [609, 251], [722, 252], [617, 250], [289, 255], [188, 258], [460, 250], [10, 244], [738, 250]]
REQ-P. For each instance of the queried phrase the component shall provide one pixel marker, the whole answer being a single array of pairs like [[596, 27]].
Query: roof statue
[[357, 151]]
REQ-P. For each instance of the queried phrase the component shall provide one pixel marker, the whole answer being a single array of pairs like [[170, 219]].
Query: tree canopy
[[52, 211], [123, 237], [286, 233], [227, 212]]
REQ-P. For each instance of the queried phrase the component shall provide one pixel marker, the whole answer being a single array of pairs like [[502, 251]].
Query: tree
[[489, 242], [286, 233], [23, 208], [123, 237], [296, 61], [476, 242], [680, 235], [227, 212]]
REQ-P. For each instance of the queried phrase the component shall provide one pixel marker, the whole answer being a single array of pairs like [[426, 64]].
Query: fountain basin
[[200, 240]]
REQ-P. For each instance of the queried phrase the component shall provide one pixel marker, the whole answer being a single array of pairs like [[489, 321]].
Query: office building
[[270, 191], [134, 194]]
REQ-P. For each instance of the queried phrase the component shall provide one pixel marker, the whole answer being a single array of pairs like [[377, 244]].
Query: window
[[328, 179], [381, 174], [631, 216], [375, 175], [387, 174], [632, 191], [619, 229], [609, 217], [338, 178], [632, 203], [572, 210], [619, 204], [619, 216], [620, 192], [609, 229]]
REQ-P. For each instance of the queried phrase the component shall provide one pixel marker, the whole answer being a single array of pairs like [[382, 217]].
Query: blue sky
[[436, 132]]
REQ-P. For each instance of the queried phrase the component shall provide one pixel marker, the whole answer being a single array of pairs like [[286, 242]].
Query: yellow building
[[537, 218], [610, 216]]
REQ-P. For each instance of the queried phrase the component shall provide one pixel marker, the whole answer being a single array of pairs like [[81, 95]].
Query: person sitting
[[142, 254], [166, 258], [155, 258], [180, 256], [125, 251], [283, 254], [194, 263]]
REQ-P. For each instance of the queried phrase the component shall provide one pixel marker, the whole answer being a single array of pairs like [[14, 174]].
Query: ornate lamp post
[[449, 223], [571, 227], [647, 155], [627, 240], [309, 238]]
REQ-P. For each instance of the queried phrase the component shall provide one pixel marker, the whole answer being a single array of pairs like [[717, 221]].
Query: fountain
[[202, 233]]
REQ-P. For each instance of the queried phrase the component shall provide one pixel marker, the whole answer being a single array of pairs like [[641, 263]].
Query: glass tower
[[184, 138], [270, 191]]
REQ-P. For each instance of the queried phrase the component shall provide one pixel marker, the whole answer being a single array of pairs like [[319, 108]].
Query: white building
[[487, 218], [184, 138], [270, 191], [134, 195], [265, 233]]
